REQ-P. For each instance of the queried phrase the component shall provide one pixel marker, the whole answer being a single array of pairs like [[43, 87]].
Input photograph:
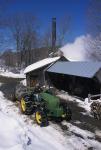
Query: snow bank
[[11, 74], [12, 136]]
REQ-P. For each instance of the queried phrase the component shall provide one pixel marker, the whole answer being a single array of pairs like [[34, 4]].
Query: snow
[[85, 134], [11, 74], [75, 51], [9, 126], [24, 82], [16, 134], [98, 133], [40, 64], [20, 132]]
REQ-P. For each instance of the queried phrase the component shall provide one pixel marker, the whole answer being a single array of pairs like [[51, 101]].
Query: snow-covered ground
[[17, 132], [11, 74], [20, 132], [24, 82]]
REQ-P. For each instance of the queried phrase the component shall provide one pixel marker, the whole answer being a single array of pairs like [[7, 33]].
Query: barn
[[35, 72], [77, 78]]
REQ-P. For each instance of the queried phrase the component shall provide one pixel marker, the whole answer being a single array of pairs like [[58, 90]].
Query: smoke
[[77, 51]]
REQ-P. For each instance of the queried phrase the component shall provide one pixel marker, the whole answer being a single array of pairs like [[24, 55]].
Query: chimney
[[53, 34]]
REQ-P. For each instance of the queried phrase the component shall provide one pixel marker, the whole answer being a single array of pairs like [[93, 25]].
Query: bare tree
[[94, 17], [29, 43], [94, 28], [24, 30], [4, 5], [47, 38], [93, 48], [63, 28]]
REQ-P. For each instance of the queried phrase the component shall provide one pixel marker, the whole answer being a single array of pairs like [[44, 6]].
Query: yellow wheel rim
[[23, 105], [64, 115], [38, 117]]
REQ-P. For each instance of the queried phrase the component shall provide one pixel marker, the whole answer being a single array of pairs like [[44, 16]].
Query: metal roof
[[40, 64], [81, 69]]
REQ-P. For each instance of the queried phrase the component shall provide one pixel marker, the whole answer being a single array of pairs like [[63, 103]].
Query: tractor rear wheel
[[26, 106], [68, 114], [41, 118]]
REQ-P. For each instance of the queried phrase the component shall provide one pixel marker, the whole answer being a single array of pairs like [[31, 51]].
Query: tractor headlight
[[64, 115]]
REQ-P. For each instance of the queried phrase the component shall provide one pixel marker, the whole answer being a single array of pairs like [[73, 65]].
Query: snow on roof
[[81, 69], [40, 64], [75, 51]]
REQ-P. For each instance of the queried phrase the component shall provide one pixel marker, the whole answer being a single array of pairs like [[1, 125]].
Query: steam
[[76, 51]]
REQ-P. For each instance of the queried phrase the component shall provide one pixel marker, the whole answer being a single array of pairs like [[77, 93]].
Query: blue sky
[[44, 10]]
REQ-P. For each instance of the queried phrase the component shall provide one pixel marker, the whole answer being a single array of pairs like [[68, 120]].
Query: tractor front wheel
[[41, 118]]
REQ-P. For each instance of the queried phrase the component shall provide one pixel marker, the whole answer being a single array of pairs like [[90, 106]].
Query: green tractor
[[46, 106]]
